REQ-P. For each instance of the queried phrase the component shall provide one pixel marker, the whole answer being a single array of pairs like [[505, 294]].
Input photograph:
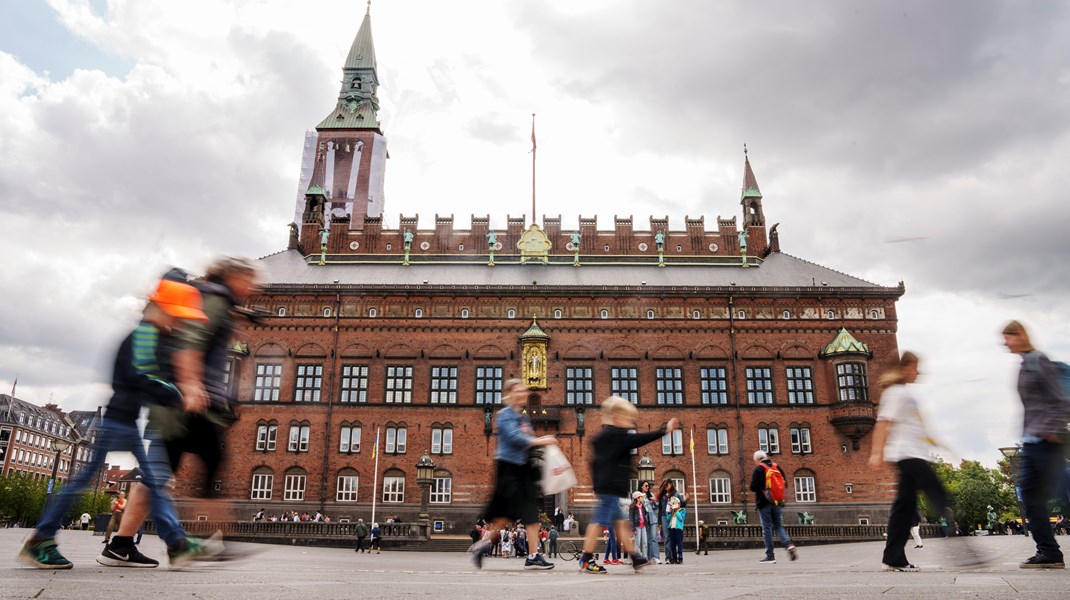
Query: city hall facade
[[409, 331]]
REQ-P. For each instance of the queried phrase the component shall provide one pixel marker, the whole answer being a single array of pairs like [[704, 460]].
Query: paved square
[[837, 571]]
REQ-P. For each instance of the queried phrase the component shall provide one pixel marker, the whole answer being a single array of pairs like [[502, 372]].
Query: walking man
[[767, 483], [362, 532]]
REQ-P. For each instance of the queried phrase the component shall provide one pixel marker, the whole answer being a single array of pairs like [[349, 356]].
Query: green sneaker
[[195, 549], [44, 555]]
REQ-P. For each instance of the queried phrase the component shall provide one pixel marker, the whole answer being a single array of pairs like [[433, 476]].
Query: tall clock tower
[[344, 159]]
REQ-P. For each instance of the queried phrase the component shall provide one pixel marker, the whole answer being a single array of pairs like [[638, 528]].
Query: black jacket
[[757, 482], [611, 467], [137, 378]]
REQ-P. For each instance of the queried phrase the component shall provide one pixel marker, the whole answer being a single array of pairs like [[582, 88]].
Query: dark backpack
[[774, 484]]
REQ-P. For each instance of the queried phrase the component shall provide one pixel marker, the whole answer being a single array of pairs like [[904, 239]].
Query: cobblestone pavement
[[835, 571]]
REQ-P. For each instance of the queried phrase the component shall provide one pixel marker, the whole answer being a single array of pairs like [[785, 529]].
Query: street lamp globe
[[425, 470], [646, 468], [59, 445]]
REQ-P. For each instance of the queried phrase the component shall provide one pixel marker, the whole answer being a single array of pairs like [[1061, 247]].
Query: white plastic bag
[[557, 473]]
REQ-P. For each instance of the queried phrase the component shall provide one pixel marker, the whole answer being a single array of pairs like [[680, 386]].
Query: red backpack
[[774, 485]]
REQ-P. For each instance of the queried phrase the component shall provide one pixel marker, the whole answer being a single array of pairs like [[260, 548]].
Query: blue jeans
[[116, 436], [1040, 466], [652, 541], [771, 519], [674, 546]]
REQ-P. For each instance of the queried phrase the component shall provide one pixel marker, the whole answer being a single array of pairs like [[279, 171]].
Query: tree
[[973, 488], [22, 497]]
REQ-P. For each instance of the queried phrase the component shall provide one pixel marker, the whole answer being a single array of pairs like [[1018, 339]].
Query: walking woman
[[1044, 440], [900, 438], [666, 493]]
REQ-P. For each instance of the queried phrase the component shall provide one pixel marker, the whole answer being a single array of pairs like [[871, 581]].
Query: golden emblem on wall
[[533, 345], [534, 245]]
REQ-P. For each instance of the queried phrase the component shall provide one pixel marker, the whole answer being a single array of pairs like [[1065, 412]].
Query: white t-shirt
[[907, 437]]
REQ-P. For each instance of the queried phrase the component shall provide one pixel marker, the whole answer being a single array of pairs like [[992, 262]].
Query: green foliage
[[974, 488], [22, 498]]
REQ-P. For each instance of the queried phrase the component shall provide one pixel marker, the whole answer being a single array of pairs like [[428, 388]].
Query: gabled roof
[[844, 343]]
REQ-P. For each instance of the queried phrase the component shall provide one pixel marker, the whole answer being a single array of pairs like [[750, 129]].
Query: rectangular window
[[443, 385], [720, 490], [805, 490], [769, 440], [717, 441], [670, 385], [800, 440], [399, 384], [714, 383], [308, 383], [261, 437], [354, 383], [395, 440], [295, 487], [267, 383], [800, 385], [579, 385], [262, 486], [624, 382], [272, 436], [673, 443], [393, 489], [349, 439], [347, 488], [851, 382], [299, 435], [441, 490], [488, 385], [759, 385], [442, 440]]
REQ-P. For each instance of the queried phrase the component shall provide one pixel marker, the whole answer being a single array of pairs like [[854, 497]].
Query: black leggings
[[202, 438], [915, 475]]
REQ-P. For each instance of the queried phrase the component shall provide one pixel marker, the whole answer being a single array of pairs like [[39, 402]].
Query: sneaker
[[793, 553], [769, 560], [125, 557], [907, 568], [44, 555], [1040, 561], [640, 562], [478, 551], [537, 563], [194, 549], [593, 567]]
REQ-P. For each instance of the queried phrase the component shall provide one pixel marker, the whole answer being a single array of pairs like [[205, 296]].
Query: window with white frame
[[441, 490], [299, 435], [442, 439], [759, 385], [294, 488], [262, 483], [717, 440], [349, 439], [488, 385], [672, 443], [394, 488], [579, 385], [851, 382], [805, 488], [800, 440], [354, 383], [399, 384], [669, 382], [347, 488], [266, 435], [604, 313], [714, 385], [650, 313], [267, 383], [800, 382], [768, 439], [308, 383], [396, 438], [624, 382], [720, 489], [511, 313], [443, 385]]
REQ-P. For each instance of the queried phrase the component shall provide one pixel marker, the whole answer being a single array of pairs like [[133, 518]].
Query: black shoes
[[1041, 561], [538, 563], [113, 556]]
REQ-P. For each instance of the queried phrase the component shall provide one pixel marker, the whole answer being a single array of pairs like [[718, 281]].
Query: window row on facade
[[580, 385], [373, 312], [347, 483], [395, 437]]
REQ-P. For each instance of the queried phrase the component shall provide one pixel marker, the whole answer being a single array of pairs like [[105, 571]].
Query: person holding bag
[[514, 495]]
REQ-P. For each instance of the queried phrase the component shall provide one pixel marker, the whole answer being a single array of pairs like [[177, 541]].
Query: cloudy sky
[[893, 140]]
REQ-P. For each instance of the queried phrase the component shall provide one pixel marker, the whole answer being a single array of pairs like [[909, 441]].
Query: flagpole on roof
[[533, 168]]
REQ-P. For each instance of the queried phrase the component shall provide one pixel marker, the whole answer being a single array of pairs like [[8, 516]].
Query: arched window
[[874, 314], [830, 314], [349, 438], [800, 439], [441, 439], [299, 437], [557, 313], [717, 439], [696, 314], [346, 488], [419, 313], [282, 311], [786, 314], [326, 311], [650, 313], [511, 313], [394, 486], [741, 314], [396, 438], [805, 486], [294, 485], [267, 433], [768, 438], [604, 314], [464, 313], [263, 479], [372, 313]]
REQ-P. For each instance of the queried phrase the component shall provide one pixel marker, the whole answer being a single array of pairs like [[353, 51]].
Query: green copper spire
[[358, 102], [750, 184], [534, 332], [844, 343]]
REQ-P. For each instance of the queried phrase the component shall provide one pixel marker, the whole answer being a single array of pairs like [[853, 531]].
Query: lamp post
[[59, 447], [1013, 454], [425, 476], [646, 469]]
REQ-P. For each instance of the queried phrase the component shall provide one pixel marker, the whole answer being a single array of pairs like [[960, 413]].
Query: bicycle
[[569, 550]]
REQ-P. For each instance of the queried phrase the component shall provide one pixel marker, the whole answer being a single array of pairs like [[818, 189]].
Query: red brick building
[[410, 331]]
